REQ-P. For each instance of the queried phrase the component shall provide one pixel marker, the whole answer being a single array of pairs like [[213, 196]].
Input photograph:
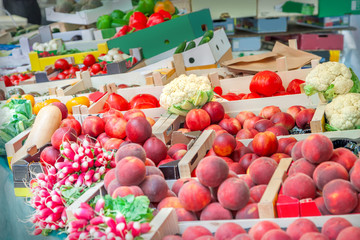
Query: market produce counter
[[15, 210]]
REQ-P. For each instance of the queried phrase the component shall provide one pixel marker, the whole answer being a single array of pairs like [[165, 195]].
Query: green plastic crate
[[333, 8], [165, 36]]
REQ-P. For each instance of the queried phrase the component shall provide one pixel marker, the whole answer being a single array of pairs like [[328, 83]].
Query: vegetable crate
[[87, 17], [164, 223], [165, 36], [39, 64]]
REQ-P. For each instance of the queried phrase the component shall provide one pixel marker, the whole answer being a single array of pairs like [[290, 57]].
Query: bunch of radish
[[93, 224], [83, 165]]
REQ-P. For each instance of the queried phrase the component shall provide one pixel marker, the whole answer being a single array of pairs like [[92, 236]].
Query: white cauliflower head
[[183, 88], [343, 112], [326, 74]]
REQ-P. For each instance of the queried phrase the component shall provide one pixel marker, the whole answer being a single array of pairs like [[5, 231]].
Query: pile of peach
[[330, 176], [335, 228]]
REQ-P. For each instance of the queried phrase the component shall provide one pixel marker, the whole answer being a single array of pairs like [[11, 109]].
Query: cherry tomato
[[66, 72], [231, 97], [89, 60], [241, 95], [218, 90], [61, 76], [95, 68], [23, 77], [84, 68], [61, 64], [54, 78], [266, 83], [117, 102], [77, 101], [73, 70], [294, 86], [14, 78], [144, 101]]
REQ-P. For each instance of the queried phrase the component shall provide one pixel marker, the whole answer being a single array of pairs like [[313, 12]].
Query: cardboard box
[[165, 36], [282, 8], [231, 8], [87, 17], [227, 24], [262, 25], [246, 44], [324, 22], [320, 41]]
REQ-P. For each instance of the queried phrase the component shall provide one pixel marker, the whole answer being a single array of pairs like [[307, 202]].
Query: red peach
[[246, 177], [133, 113], [263, 124], [278, 130], [283, 142], [289, 148], [112, 113], [314, 236], [317, 148], [250, 122], [130, 171], [185, 215], [260, 228], [327, 171], [212, 171], [304, 117], [262, 169], [228, 231], [349, 233], [194, 196], [194, 232], [224, 144], [299, 186], [215, 110], [246, 133], [176, 147], [247, 159], [138, 130], [320, 204], [214, 127], [334, 226], [197, 119], [151, 170], [256, 192], [355, 175], [214, 211], [276, 234], [154, 187], [283, 119], [250, 211], [239, 153], [242, 116], [93, 126], [115, 128], [169, 202], [231, 125], [233, 193], [299, 227], [345, 157], [179, 154], [179, 183], [296, 152], [294, 110], [278, 156], [302, 166], [236, 168], [269, 111], [265, 144]]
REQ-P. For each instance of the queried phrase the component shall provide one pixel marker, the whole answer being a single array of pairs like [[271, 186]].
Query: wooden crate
[[12, 146], [164, 223]]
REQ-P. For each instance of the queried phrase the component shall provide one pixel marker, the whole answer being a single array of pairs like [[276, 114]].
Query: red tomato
[[103, 64], [123, 86], [54, 78], [280, 93], [117, 102], [16, 82], [294, 86], [218, 90], [250, 96], [61, 64], [241, 95], [14, 78], [84, 68], [144, 101], [102, 72], [95, 68], [266, 83], [66, 72], [23, 77], [73, 70], [231, 97], [61, 76], [7, 81], [89, 60]]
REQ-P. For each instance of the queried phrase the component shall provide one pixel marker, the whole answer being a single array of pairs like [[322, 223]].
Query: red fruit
[[115, 128], [328, 171], [155, 188], [233, 194], [214, 211], [250, 211], [142, 101], [283, 119], [61, 64], [283, 143], [247, 159], [138, 130], [266, 83], [262, 169], [93, 126], [194, 232], [294, 86], [212, 171], [194, 196], [63, 109], [294, 110], [334, 226], [113, 144], [304, 118], [260, 228], [299, 186], [231, 125], [278, 130], [64, 134], [50, 155], [131, 149], [197, 119], [349, 233], [215, 110], [117, 102], [265, 144], [250, 122], [246, 133], [176, 147], [112, 113], [72, 123], [102, 138], [155, 149], [263, 124], [242, 116], [95, 68], [302, 166], [317, 148], [250, 96], [345, 157], [89, 60], [269, 111], [224, 144], [228, 231], [299, 227]]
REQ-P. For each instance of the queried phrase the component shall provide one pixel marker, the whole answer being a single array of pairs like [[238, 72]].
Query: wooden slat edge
[[15, 144], [99, 105], [266, 206], [196, 153], [87, 196], [317, 123], [163, 224]]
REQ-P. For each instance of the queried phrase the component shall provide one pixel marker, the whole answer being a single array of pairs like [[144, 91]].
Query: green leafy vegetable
[[329, 94], [309, 90], [133, 208], [71, 193], [17, 117], [330, 128], [356, 87]]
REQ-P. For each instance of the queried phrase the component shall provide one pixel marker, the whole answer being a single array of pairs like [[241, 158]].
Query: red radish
[[97, 220], [83, 214], [89, 174]]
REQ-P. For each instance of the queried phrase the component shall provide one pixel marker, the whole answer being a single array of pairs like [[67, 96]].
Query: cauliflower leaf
[[356, 87]]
